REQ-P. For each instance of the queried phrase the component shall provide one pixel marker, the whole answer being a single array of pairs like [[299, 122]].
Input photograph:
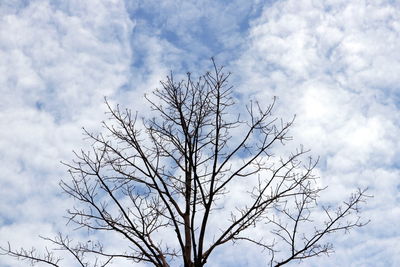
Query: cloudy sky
[[334, 63]]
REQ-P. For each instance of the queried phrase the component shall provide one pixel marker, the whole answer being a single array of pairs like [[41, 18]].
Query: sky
[[334, 63]]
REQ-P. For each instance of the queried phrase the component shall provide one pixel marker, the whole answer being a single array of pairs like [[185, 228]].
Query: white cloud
[[333, 63], [57, 62]]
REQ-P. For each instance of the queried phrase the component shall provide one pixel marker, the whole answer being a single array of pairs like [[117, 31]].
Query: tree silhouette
[[176, 175]]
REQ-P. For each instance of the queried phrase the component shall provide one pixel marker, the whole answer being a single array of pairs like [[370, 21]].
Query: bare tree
[[173, 175]]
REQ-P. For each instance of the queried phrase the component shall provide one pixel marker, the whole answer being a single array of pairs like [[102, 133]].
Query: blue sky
[[335, 64]]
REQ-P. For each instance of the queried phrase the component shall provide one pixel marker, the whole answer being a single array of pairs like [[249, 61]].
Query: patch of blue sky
[[13, 6], [67, 7], [253, 13], [39, 105], [196, 42], [112, 33], [140, 49], [51, 104], [201, 37], [5, 220]]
